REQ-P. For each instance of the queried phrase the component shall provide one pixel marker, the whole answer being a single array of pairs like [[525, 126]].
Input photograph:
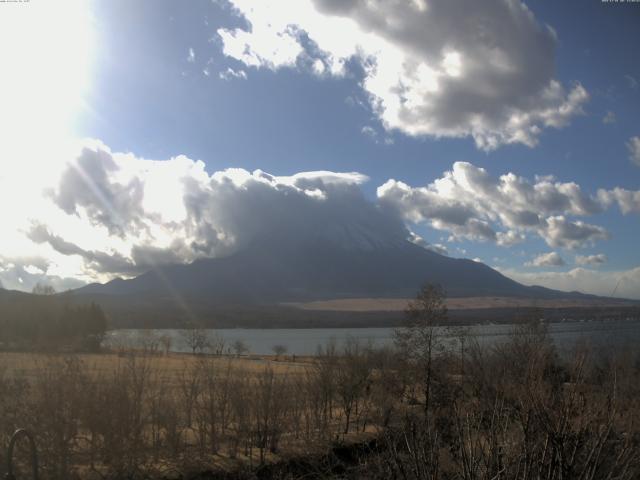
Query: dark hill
[[282, 271]]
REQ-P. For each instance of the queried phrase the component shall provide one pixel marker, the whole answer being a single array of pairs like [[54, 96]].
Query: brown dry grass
[[464, 303], [145, 380], [170, 365]]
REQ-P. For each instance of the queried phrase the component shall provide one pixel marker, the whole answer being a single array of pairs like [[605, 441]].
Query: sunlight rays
[[46, 53]]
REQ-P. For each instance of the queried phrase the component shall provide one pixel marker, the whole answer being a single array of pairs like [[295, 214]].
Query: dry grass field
[[513, 411], [116, 414], [463, 303], [169, 366]]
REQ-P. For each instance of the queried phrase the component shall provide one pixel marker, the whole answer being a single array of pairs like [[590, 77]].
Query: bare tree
[[269, 407], [216, 344], [418, 339], [352, 379], [279, 350], [165, 341], [150, 342], [196, 338], [240, 347]]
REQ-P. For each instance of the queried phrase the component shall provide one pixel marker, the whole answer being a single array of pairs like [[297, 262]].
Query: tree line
[[438, 407], [45, 321]]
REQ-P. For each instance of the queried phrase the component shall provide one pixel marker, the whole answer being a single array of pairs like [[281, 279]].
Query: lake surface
[[597, 334]]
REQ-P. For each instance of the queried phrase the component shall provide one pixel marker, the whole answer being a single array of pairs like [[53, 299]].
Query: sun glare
[[45, 49]]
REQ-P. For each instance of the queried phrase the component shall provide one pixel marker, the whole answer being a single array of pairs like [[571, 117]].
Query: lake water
[[597, 334]]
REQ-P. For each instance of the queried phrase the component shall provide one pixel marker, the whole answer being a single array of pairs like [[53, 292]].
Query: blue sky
[[162, 79]]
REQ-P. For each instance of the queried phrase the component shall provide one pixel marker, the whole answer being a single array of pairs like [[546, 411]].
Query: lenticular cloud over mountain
[[146, 213], [108, 214]]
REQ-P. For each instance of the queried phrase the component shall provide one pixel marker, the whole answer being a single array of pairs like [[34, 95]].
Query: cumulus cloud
[[93, 182], [551, 259], [584, 280], [596, 259], [633, 145], [142, 257], [480, 68], [509, 238], [132, 214], [24, 273], [106, 214], [471, 204], [627, 200], [560, 232]]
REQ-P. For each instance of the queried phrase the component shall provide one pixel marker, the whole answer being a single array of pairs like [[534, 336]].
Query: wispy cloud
[[230, 74], [633, 145], [596, 259], [631, 81], [377, 137], [609, 118], [584, 280]]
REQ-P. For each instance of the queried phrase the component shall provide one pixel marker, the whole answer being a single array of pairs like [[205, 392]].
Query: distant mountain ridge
[[327, 257], [278, 269]]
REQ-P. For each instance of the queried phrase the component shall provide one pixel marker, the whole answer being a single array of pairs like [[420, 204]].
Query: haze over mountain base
[[281, 282]]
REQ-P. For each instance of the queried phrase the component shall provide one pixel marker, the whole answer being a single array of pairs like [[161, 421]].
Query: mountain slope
[[278, 270]]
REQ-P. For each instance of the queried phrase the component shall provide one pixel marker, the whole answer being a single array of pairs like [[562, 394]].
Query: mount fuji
[[330, 260]]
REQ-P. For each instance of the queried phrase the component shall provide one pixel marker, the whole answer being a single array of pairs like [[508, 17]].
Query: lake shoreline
[[306, 341]]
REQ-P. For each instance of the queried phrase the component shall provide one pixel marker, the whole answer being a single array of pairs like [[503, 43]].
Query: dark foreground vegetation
[[421, 411], [43, 321]]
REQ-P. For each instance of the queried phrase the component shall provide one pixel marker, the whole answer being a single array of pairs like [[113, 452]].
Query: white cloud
[[269, 44], [438, 248], [596, 259], [471, 204], [627, 200], [584, 280], [117, 214], [631, 81], [560, 232], [551, 259], [421, 242], [230, 74], [369, 131], [446, 69], [634, 150], [373, 134], [509, 238], [106, 213], [318, 67], [191, 56], [23, 273]]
